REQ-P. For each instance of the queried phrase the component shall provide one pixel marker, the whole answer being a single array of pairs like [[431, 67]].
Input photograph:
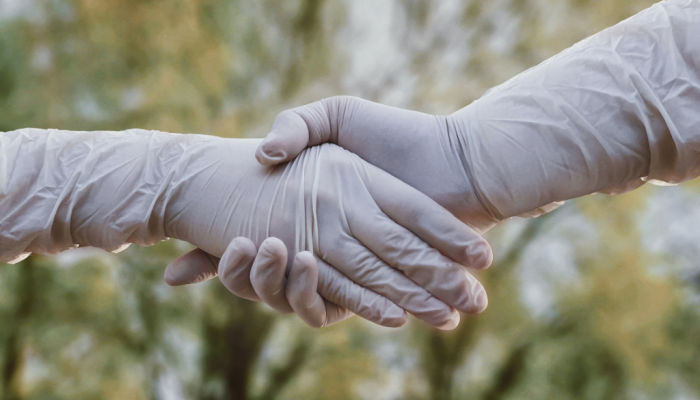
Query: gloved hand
[[372, 234], [615, 110]]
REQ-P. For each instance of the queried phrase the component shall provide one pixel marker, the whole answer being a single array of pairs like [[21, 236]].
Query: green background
[[598, 300]]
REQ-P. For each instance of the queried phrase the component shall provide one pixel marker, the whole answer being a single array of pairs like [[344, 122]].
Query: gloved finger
[[289, 135], [344, 120], [338, 289], [427, 267], [360, 265], [297, 128], [235, 268], [192, 267], [302, 294], [267, 274], [429, 221]]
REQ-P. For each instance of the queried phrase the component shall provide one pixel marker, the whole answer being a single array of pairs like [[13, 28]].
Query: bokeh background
[[598, 300]]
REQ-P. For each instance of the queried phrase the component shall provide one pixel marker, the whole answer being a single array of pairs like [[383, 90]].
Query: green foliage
[[95, 325]]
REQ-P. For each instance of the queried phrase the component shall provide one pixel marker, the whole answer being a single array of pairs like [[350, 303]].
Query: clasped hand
[[324, 235]]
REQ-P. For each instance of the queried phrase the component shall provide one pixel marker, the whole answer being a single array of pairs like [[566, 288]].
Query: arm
[[62, 189], [104, 189], [612, 111]]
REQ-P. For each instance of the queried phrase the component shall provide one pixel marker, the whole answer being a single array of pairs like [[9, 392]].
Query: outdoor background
[[598, 300]]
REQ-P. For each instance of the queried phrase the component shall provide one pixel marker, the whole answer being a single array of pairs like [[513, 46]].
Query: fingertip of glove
[[479, 304], [479, 255], [315, 323], [451, 324], [169, 280], [482, 302], [269, 153], [273, 248], [171, 277], [239, 253], [397, 318], [305, 259], [470, 294]]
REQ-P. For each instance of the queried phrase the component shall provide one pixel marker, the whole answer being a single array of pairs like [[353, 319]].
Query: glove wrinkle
[[461, 146]]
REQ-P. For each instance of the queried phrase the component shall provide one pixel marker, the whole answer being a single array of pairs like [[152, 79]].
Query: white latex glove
[[607, 114], [59, 189]]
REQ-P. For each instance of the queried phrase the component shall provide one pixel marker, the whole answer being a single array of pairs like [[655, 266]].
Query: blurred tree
[[93, 325], [234, 334], [23, 308]]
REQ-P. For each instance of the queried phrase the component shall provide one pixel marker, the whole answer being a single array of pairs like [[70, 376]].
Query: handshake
[[325, 231], [349, 206]]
